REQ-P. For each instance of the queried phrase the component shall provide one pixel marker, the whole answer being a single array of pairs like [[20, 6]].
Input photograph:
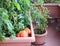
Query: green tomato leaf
[[5, 17], [41, 1], [10, 27], [12, 36], [2, 38], [17, 5], [1, 22], [28, 2], [21, 26]]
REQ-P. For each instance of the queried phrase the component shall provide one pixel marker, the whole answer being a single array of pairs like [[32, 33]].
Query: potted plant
[[39, 17], [15, 23]]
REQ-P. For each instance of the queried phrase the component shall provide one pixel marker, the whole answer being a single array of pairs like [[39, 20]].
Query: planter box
[[54, 12], [19, 41], [54, 9]]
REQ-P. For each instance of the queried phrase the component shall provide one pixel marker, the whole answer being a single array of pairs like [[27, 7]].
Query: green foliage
[[37, 1], [14, 17], [39, 16]]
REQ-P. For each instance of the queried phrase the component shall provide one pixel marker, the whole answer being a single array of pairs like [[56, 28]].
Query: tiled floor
[[53, 37]]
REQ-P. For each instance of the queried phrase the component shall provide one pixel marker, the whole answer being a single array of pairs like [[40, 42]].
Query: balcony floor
[[53, 37]]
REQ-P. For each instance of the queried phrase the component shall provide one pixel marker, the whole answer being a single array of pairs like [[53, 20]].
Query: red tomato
[[28, 31], [22, 34]]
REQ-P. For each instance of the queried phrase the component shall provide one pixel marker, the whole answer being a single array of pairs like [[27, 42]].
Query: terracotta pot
[[54, 9], [40, 38], [19, 41]]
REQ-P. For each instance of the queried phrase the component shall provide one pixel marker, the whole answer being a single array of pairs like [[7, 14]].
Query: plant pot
[[40, 38], [54, 9], [19, 41]]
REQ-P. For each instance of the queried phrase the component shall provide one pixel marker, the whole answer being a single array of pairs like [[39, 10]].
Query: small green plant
[[39, 17], [14, 17]]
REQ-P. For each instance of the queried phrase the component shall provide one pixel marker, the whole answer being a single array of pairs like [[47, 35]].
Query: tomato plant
[[14, 17]]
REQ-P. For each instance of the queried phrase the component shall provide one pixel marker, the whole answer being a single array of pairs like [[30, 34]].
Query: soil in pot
[[37, 31]]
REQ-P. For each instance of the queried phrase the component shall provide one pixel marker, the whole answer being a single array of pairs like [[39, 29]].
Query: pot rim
[[44, 34]]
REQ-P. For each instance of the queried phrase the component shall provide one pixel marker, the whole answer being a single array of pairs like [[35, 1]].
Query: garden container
[[54, 9], [40, 38], [54, 12], [19, 41]]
